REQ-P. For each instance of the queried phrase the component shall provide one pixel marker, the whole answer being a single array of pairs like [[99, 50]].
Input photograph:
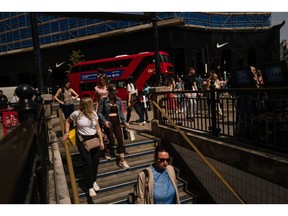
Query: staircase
[[116, 183]]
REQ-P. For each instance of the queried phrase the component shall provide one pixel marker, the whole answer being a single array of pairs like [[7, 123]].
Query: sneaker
[[96, 186], [107, 155], [92, 192], [124, 165], [142, 123], [147, 121]]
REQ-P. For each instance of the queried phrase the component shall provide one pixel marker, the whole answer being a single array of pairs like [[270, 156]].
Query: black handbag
[[134, 98], [125, 133]]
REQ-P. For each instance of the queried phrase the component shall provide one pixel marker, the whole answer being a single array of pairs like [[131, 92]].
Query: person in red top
[[171, 97]]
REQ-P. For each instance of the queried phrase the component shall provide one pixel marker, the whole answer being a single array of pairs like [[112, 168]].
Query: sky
[[277, 18]]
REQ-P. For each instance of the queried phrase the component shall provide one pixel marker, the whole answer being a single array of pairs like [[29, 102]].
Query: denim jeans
[[191, 104]]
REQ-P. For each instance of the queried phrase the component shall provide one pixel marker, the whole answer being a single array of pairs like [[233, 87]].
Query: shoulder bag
[[132, 196], [134, 99], [90, 143]]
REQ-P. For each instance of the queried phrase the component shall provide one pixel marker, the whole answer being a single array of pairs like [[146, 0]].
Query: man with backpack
[[157, 185]]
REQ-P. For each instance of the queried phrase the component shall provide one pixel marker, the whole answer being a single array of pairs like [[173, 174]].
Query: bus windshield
[[165, 58]]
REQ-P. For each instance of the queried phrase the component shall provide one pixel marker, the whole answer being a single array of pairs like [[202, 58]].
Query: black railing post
[[31, 112], [37, 52], [42, 140], [38, 99], [214, 130], [156, 50]]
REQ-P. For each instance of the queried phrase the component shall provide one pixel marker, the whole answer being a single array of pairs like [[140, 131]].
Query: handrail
[[55, 177], [69, 160], [47, 113], [256, 116], [210, 165], [24, 154]]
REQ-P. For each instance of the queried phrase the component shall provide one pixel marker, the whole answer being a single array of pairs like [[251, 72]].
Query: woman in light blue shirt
[[161, 187]]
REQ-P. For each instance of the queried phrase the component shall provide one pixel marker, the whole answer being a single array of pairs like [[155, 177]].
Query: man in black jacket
[[190, 85], [3, 101]]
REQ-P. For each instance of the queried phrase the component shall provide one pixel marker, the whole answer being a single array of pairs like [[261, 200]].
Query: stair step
[[118, 175], [124, 183], [185, 198], [120, 196], [110, 168], [140, 145], [134, 150], [115, 182]]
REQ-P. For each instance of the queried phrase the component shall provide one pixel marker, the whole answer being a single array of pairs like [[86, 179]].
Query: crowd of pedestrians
[[186, 102], [106, 118], [102, 116]]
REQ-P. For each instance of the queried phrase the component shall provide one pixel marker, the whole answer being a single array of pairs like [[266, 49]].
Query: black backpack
[[132, 196]]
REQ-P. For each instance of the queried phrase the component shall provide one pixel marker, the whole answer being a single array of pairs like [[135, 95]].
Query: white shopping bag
[[131, 134]]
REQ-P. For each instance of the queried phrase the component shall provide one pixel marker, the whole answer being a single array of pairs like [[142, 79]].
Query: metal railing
[[257, 116], [66, 144], [207, 162], [24, 157]]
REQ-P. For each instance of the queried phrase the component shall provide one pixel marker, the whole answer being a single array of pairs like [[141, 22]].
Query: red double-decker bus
[[83, 75]]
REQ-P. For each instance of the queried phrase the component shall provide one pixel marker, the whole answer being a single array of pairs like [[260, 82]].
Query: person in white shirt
[[14, 99], [133, 101], [144, 107], [88, 127]]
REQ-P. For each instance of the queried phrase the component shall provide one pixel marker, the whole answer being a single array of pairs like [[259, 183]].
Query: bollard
[[26, 107]]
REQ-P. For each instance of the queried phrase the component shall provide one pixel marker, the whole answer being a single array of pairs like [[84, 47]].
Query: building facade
[[284, 51], [220, 40]]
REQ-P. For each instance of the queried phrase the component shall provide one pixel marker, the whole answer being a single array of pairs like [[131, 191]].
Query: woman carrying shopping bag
[[111, 116]]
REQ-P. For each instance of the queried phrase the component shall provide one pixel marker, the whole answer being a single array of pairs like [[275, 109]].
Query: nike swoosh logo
[[58, 65], [221, 45]]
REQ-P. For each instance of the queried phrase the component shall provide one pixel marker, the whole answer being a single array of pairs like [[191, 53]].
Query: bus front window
[[165, 58]]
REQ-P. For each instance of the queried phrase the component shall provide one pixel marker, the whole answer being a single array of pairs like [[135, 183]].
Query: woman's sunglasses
[[164, 159]]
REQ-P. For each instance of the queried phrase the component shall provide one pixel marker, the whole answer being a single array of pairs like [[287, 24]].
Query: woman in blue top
[[162, 184]]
